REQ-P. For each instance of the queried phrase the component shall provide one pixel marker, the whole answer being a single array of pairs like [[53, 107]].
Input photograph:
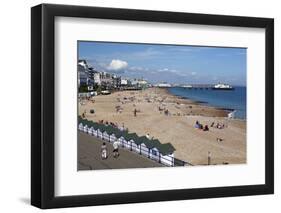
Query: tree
[[83, 88]]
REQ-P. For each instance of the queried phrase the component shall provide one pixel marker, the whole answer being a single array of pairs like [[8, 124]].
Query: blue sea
[[225, 99]]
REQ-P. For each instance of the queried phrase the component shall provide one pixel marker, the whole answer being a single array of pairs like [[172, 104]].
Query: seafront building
[[83, 74], [92, 79], [125, 82]]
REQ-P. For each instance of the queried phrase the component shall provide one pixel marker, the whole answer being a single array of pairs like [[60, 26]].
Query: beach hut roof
[[90, 123], [156, 143], [166, 149], [110, 130], [96, 125], [117, 133], [148, 143], [82, 121], [130, 136], [137, 140], [85, 122], [107, 128], [102, 127]]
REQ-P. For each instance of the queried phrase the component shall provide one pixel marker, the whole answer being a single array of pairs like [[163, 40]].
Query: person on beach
[[103, 151], [219, 139], [115, 149], [135, 112], [197, 125], [206, 128]]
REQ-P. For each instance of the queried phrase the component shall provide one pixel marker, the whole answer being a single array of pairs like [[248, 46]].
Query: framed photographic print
[[139, 106]]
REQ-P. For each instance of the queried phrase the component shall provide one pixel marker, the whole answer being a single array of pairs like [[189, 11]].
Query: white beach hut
[[154, 154], [105, 136], [85, 129], [112, 138], [100, 134], [90, 131], [144, 150], [81, 127], [166, 152], [95, 132], [167, 159], [134, 146], [124, 143]]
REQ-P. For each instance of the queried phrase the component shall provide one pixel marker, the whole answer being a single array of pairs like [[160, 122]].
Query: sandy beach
[[171, 119]]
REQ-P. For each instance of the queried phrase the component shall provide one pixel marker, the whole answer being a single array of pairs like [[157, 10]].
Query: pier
[[198, 86], [207, 86]]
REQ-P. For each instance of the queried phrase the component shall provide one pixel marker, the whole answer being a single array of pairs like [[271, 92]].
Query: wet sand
[[175, 126]]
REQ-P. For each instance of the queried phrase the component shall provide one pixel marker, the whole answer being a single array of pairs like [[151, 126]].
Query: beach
[[171, 119]]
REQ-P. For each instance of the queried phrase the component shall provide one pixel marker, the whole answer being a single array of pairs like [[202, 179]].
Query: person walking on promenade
[[103, 151], [115, 149]]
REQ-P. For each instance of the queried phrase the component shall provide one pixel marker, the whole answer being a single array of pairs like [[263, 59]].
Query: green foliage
[[83, 88]]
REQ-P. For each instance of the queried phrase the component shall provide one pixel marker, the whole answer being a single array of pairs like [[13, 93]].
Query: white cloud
[[117, 64], [193, 73]]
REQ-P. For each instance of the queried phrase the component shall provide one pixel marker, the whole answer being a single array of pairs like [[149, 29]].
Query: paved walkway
[[89, 156]]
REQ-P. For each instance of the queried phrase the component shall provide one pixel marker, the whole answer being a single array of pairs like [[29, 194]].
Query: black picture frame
[[43, 102]]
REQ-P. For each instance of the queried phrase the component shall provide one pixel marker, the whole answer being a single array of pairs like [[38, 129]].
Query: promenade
[[89, 156]]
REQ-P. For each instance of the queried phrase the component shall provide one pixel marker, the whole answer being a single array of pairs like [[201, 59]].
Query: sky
[[157, 63]]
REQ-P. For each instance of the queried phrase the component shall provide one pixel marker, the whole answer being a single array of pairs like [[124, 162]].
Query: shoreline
[[223, 111], [176, 126], [205, 104]]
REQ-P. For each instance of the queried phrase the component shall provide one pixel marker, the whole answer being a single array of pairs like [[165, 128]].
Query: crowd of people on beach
[[115, 125], [165, 110], [218, 125], [198, 125]]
